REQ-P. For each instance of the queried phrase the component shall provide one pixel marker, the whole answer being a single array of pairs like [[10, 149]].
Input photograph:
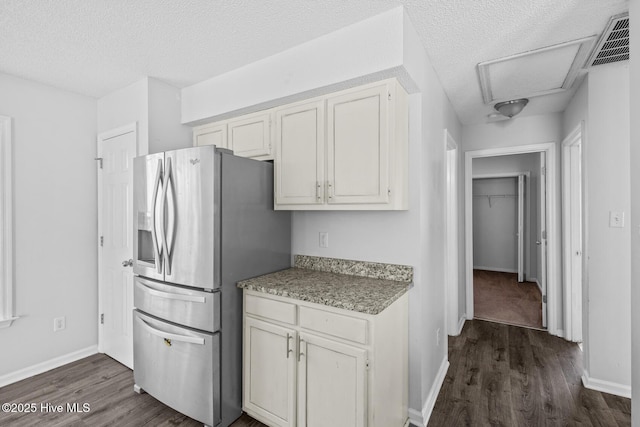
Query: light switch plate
[[616, 219]]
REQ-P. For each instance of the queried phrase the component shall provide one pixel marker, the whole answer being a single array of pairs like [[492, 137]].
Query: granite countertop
[[355, 292]]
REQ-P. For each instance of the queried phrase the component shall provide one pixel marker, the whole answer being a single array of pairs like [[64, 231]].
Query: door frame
[[131, 127], [553, 236], [572, 290], [454, 322], [527, 191]]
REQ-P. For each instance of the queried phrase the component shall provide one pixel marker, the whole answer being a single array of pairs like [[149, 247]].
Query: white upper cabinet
[[250, 135], [359, 164], [299, 174], [211, 134], [343, 151], [358, 146]]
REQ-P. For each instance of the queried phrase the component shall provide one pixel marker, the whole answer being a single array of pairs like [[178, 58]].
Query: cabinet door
[[270, 372], [299, 165], [358, 146], [214, 134], [332, 385], [250, 136]]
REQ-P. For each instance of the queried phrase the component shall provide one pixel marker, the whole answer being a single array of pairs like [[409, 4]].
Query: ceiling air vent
[[613, 45]]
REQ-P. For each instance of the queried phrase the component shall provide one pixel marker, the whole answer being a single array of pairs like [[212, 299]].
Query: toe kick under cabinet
[[307, 364]]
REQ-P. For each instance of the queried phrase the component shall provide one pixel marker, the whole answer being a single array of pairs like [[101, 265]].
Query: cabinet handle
[[289, 350], [300, 353], [330, 191], [318, 198]]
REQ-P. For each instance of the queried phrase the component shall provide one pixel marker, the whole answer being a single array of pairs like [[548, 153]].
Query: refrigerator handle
[[170, 336], [169, 205], [154, 232]]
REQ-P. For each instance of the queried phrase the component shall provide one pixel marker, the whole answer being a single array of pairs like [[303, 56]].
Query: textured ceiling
[[94, 47]]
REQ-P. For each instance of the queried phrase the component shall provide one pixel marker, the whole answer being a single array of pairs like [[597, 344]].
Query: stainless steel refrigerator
[[204, 220]]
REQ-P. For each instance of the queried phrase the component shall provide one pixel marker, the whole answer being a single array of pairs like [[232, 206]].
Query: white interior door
[[116, 150], [572, 233], [542, 237], [576, 243], [521, 228]]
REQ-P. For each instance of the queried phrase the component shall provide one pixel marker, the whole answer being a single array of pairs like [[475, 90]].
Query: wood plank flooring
[[104, 384], [502, 375], [499, 375]]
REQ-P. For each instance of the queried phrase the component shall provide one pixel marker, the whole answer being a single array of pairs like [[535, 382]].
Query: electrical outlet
[[438, 337], [59, 323], [323, 239]]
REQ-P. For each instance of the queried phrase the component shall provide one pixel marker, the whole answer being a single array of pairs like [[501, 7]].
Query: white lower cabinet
[[332, 383], [270, 369], [309, 365]]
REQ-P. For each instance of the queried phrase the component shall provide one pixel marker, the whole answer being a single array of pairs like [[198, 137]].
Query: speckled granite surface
[[376, 270], [351, 292]]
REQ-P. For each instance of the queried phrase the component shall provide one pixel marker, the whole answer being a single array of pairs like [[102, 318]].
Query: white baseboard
[[498, 269], [533, 279], [460, 325], [606, 386], [422, 418], [47, 365]]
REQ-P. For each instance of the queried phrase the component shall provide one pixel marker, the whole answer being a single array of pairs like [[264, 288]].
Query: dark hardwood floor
[[102, 383], [502, 375]]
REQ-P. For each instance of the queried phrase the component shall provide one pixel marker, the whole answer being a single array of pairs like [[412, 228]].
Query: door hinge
[[543, 170], [544, 299], [389, 95], [99, 159], [101, 240], [367, 365], [102, 318], [544, 234], [389, 191]]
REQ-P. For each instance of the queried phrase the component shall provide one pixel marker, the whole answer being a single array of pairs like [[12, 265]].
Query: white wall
[[517, 132], [54, 224], [607, 260], [155, 106], [369, 50], [384, 46], [634, 14], [608, 265], [125, 106], [495, 224]]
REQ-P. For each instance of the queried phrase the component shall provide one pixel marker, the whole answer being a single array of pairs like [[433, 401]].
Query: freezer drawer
[[178, 366], [189, 307]]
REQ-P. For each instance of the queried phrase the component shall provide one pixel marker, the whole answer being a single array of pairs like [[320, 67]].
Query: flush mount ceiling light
[[511, 108]]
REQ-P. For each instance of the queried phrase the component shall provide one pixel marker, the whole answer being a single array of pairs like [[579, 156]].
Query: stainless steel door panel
[[148, 221], [189, 307], [178, 366], [191, 210]]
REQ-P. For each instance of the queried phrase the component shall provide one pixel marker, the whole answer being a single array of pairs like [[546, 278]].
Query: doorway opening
[[537, 252], [505, 262]]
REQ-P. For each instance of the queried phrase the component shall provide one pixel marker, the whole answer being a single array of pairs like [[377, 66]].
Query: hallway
[[501, 375]]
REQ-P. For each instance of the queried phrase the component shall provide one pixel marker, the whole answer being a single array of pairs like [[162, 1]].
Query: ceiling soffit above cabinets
[[538, 72], [613, 45]]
